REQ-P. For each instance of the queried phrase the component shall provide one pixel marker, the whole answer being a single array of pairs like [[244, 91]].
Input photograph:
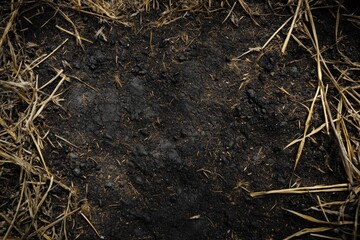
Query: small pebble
[[72, 155], [182, 58], [251, 93], [140, 150], [294, 72], [143, 72], [83, 166], [138, 180], [109, 184], [283, 124], [77, 172]]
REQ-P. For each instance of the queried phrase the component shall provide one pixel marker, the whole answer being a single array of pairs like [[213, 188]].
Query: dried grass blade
[[8, 221], [43, 229], [46, 56], [67, 141], [315, 220], [313, 132], [9, 25], [73, 34], [322, 208], [276, 32], [316, 42], [295, 17], [85, 83], [307, 125], [258, 49], [227, 16], [38, 148], [12, 224], [350, 169], [59, 72], [248, 11], [325, 237], [91, 225], [117, 19], [301, 190], [307, 231], [356, 221], [76, 32], [7, 129], [46, 193], [46, 101], [16, 160]]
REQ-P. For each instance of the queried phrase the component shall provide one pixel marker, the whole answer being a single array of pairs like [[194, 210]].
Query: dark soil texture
[[169, 134]]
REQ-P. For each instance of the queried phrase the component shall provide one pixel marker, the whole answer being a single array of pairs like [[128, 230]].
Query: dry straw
[[341, 113], [28, 213]]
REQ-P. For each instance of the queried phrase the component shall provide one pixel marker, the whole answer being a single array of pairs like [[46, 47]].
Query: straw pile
[[341, 116], [28, 211]]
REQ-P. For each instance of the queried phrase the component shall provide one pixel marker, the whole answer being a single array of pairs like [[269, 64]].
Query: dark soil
[[172, 134]]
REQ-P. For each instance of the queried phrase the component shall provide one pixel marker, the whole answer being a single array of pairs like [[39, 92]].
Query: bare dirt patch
[[164, 134]]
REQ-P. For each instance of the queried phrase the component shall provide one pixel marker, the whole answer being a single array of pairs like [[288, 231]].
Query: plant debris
[[41, 203]]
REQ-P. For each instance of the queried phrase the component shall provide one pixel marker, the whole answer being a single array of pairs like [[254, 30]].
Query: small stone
[[99, 56], [92, 60], [83, 166], [76, 64], [283, 124], [72, 156], [166, 144], [138, 232], [156, 154], [262, 78], [140, 150], [269, 67], [184, 133], [77, 172], [108, 136], [142, 72], [182, 58], [230, 144], [136, 86], [124, 43], [135, 70], [98, 168], [251, 93], [237, 111], [145, 132], [223, 158], [109, 184], [174, 156], [138, 180], [294, 72], [281, 180]]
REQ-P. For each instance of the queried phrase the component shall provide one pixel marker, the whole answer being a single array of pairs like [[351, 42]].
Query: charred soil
[[165, 134]]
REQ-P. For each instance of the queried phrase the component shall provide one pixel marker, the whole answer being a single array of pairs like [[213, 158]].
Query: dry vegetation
[[28, 211]]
